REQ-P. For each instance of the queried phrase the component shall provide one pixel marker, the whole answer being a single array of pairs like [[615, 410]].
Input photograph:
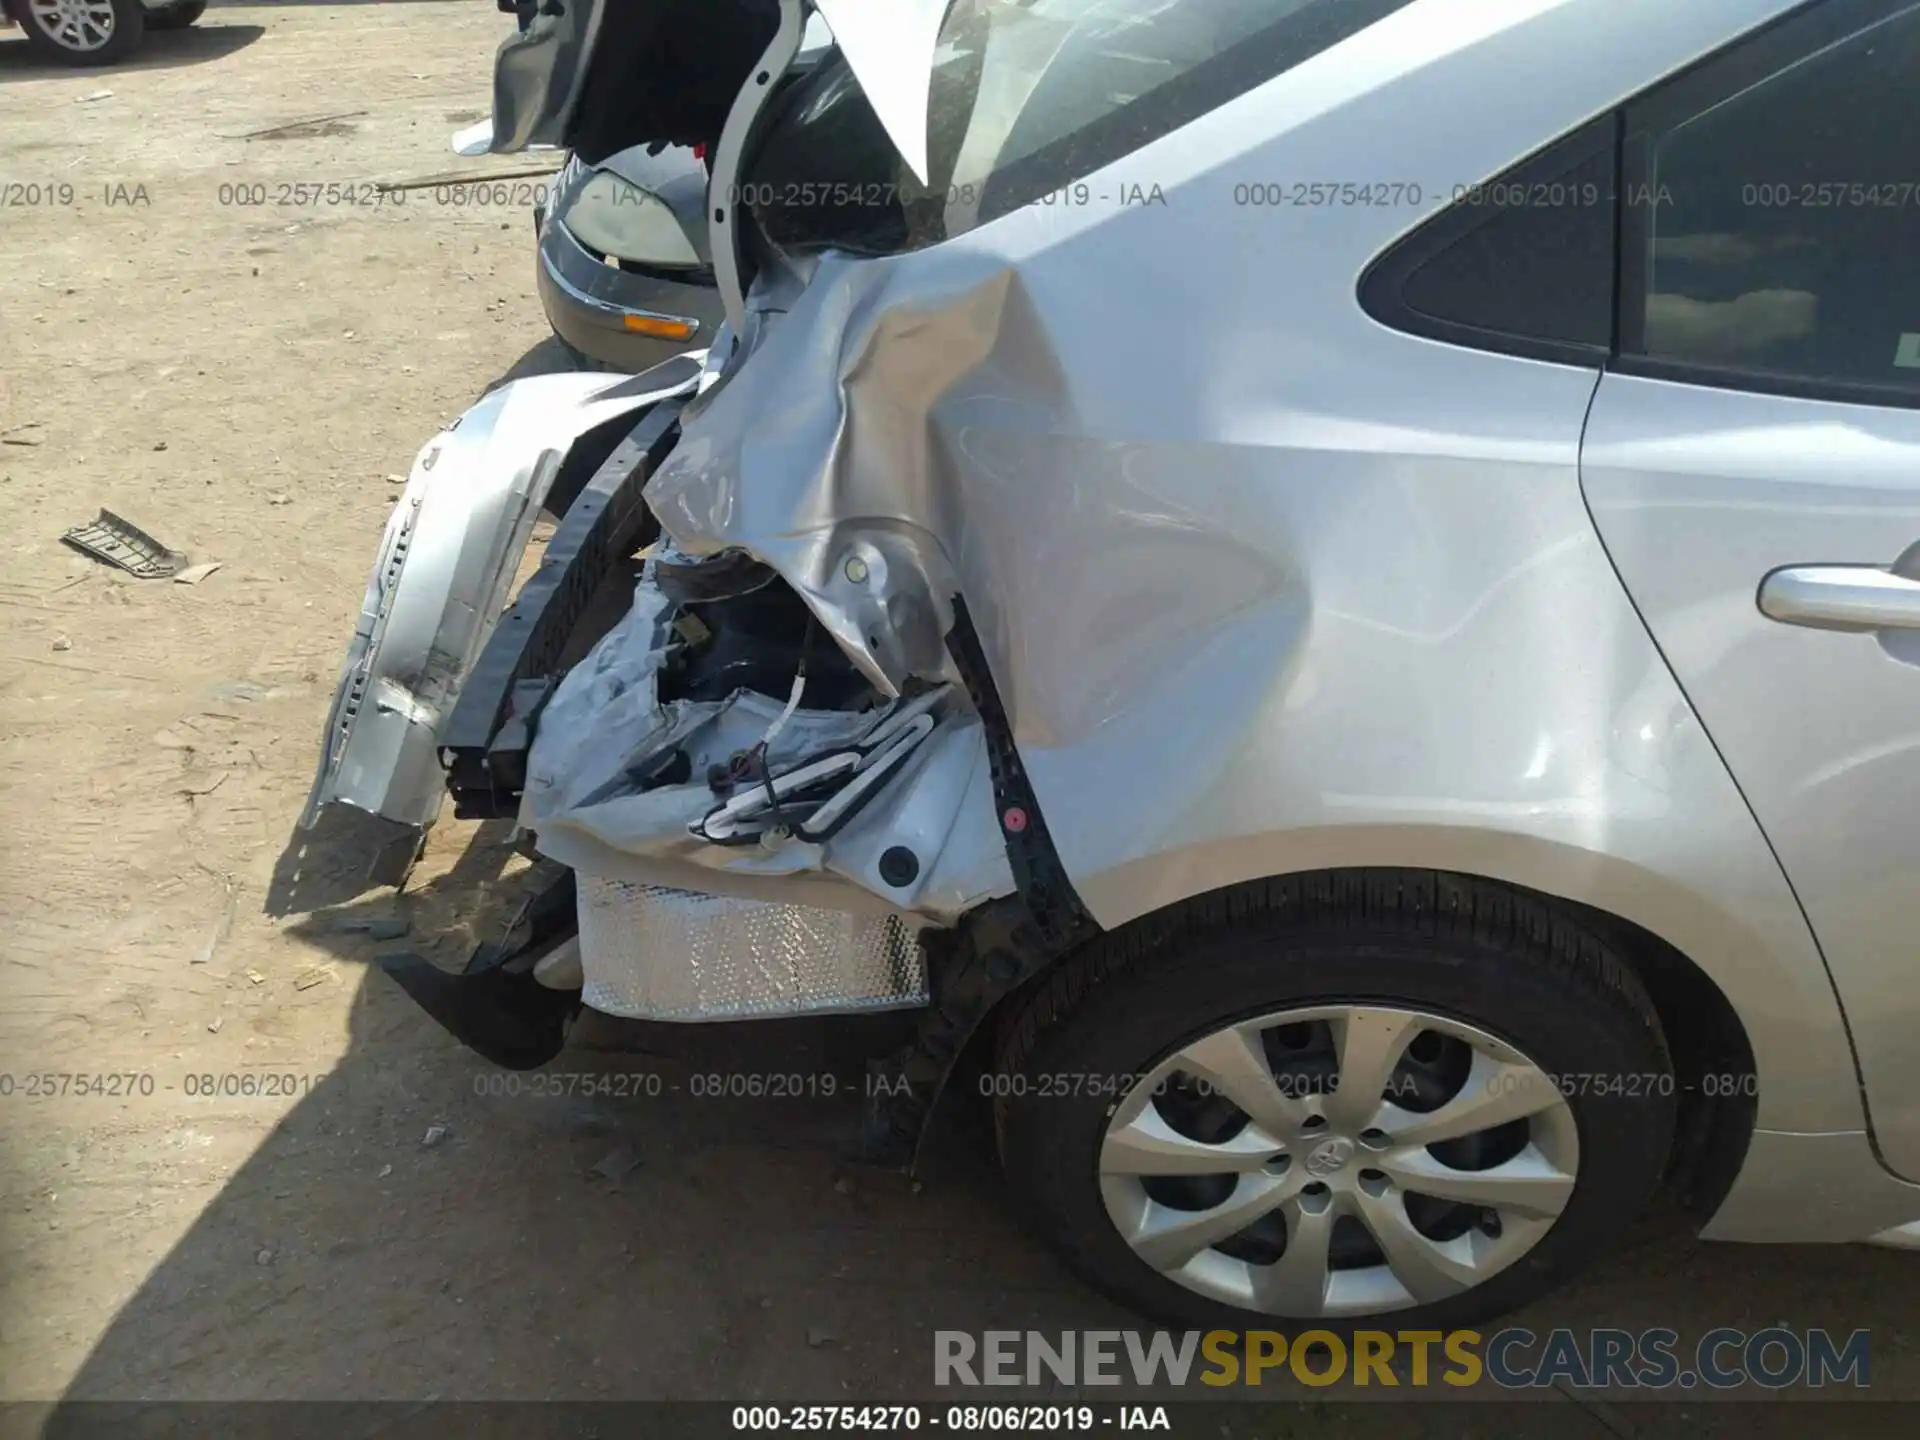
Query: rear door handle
[[1841, 597]]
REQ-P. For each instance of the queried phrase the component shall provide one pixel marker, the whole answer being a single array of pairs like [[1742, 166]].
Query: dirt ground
[[247, 376]]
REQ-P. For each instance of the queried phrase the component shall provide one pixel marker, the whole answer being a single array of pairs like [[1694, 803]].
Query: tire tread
[[1439, 904]]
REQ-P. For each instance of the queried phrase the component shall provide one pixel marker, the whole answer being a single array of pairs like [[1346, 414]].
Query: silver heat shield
[[651, 953]]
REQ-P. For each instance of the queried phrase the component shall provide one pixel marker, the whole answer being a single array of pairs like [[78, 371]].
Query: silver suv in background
[[95, 32]]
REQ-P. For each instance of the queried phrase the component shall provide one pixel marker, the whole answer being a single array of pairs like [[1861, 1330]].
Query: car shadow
[[672, 1212], [347, 853], [664, 1212], [159, 50], [547, 357]]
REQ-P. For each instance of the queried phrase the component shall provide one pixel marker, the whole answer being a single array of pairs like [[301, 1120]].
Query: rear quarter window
[[1027, 99]]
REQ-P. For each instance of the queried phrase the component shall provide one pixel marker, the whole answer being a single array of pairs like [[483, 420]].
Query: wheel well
[[1705, 1038], [1712, 1059]]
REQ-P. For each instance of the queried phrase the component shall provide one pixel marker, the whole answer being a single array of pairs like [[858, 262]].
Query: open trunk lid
[[597, 76]]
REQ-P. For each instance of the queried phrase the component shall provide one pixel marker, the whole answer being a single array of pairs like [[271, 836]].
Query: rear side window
[[1028, 98], [1523, 263], [1772, 223]]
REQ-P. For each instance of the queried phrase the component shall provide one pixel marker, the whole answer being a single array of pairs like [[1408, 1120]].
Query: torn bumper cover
[[623, 783], [745, 855], [861, 818], [445, 564]]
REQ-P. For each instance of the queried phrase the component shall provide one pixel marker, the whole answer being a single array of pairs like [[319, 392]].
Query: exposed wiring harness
[[759, 752]]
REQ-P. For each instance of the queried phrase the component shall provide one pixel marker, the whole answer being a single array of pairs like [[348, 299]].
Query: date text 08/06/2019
[[956, 1419]]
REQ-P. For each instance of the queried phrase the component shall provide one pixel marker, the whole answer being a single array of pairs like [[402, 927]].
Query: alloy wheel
[[75, 24], [1338, 1160]]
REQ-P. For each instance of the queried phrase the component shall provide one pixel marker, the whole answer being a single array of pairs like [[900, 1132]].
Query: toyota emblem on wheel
[[1328, 1158]]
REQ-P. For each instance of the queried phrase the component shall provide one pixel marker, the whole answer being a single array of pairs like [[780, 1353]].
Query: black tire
[[176, 17], [129, 28], [1502, 961]]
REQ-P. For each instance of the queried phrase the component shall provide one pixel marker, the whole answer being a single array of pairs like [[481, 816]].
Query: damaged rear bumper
[[707, 888], [446, 562]]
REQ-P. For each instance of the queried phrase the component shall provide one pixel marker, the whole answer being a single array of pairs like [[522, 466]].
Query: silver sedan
[[1409, 513]]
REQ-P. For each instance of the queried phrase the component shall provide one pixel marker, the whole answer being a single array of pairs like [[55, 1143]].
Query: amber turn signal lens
[[660, 327]]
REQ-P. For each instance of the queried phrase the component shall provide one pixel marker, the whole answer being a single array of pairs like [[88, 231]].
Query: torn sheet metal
[[907, 432], [1213, 523], [593, 803], [651, 953], [946, 423]]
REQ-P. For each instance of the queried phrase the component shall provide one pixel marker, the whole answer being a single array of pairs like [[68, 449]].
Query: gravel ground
[[363, 1210]]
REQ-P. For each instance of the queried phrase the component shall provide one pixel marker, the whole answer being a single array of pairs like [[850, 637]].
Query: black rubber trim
[[522, 657], [970, 970], [1054, 906], [592, 449], [996, 948], [1766, 382]]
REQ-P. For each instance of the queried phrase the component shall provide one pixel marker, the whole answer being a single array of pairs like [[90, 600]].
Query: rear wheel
[[83, 32], [177, 16], [1397, 1094]]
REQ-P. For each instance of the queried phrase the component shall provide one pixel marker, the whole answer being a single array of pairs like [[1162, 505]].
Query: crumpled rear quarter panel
[[1265, 586]]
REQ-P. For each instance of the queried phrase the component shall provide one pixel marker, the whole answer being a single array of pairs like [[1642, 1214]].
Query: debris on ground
[[120, 542], [255, 977], [93, 96], [385, 1170], [213, 1025], [435, 1134], [279, 497], [280, 132], [818, 1336], [375, 927], [194, 574], [464, 177], [263, 1257], [843, 1186], [618, 1163], [61, 642], [241, 690], [307, 979], [225, 922]]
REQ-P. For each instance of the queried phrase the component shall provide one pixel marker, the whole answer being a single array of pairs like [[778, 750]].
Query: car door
[[1752, 461]]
